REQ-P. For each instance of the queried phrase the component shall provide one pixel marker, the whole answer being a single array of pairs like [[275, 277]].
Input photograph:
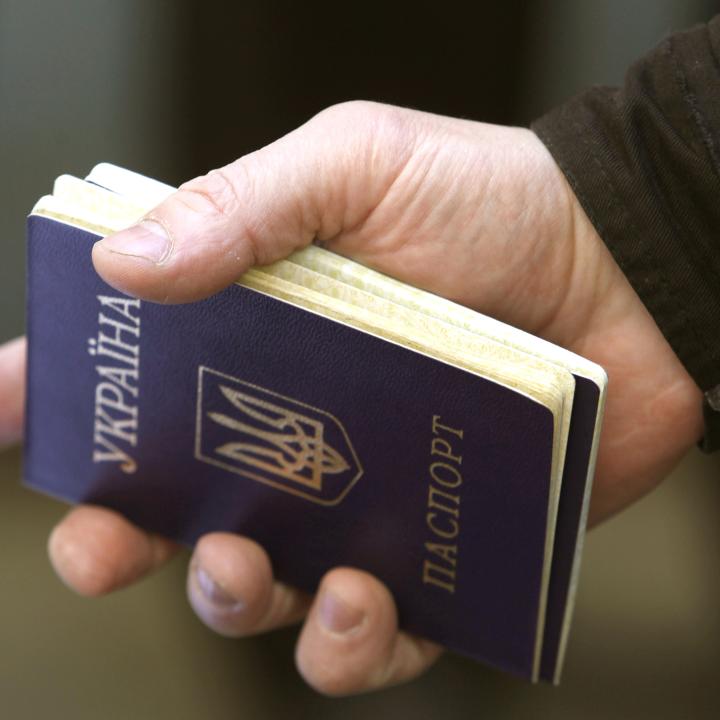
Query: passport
[[333, 414]]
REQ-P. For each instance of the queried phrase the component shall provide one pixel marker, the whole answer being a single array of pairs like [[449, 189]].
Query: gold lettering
[[447, 534], [114, 417], [445, 523], [434, 505], [436, 424], [447, 552], [120, 377], [442, 447], [121, 306], [120, 429], [457, 477], [118, 328], [100, 346], [445, 576], [108, 394], [113, 454]]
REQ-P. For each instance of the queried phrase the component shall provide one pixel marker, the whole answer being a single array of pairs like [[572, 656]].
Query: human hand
[[477, 213]]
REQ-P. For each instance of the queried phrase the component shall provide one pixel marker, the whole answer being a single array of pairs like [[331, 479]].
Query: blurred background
[[172, 89]]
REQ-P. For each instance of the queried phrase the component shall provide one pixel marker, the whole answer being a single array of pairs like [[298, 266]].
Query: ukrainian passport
[[334, 415]]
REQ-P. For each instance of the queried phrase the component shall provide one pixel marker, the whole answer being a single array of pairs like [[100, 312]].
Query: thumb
[[311, 184]]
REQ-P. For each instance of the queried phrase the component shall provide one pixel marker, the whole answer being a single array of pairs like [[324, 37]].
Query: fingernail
[[216, 594], [148, 240], [339, 616]]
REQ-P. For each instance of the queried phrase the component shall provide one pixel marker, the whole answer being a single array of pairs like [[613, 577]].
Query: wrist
[[654, 407]]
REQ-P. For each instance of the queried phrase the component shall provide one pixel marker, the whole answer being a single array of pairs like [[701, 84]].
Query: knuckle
[[383, 137], [374, 113], [355, 115], [329, 677], [351, 108], [216, 193], [78, 566], [221, 198]]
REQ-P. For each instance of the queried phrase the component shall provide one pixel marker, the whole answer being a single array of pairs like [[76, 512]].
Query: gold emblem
[[276, 440]]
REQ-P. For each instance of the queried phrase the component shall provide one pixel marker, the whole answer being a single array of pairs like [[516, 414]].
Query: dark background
[[174, 88]]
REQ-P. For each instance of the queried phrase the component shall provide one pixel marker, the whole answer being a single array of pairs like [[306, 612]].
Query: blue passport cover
[[327, 445]]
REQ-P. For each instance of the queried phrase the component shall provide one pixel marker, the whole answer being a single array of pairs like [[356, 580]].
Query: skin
[[478, 213]]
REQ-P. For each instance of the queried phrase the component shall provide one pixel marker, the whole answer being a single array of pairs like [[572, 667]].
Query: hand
[[477, 213]]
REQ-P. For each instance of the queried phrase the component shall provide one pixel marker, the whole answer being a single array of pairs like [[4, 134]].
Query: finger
[[95, 551], [231, 588], [323, 177], [12, 390], [350, 642]]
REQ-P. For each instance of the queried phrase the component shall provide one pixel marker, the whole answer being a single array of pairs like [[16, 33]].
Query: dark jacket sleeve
[[644, 162]]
